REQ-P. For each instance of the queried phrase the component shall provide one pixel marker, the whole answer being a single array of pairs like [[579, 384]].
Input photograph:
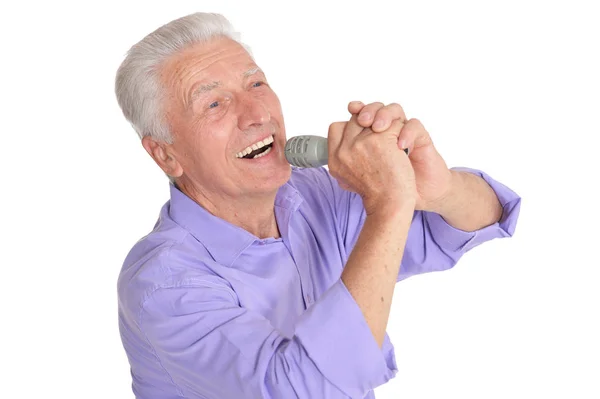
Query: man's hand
[[371, 165], [433, 178]]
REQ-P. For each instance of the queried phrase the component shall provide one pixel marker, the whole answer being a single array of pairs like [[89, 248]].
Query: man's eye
[[214, 105], [257, 84]]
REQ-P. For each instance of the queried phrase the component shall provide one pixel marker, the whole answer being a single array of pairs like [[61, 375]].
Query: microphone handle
[[308, 151]]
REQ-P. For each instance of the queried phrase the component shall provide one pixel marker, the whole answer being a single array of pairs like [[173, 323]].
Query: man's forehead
[[209, 61]]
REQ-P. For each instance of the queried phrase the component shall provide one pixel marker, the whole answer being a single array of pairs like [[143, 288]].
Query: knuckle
[[396, 106], [370, 144], [397, 110], [375, 105], [344, 158], [336, 127], [415, 121], [396, 125], [383, 112], [360, 146]]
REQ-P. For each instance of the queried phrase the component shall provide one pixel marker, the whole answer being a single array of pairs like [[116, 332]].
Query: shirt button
[[309, 299]]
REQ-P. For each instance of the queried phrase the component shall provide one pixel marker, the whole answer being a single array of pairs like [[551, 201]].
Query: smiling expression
[[219, 106]]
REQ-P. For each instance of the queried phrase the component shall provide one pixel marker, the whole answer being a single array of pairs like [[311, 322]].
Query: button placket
[[301, 261]]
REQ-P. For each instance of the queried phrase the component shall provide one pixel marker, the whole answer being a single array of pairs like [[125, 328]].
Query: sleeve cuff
[[454, 239], [339, 341]]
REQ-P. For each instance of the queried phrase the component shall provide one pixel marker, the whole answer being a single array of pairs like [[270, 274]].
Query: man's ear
[[163, 156]]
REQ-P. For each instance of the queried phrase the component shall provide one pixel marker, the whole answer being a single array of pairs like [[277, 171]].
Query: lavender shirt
[[208, 310]]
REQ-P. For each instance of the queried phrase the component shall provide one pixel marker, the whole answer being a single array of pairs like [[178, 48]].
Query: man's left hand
[[433, 178]]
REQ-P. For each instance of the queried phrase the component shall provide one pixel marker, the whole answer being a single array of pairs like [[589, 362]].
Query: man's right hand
[[371, 164]]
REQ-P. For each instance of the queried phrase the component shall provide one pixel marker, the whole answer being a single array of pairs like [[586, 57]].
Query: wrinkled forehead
[[205, 66], [220, 56]]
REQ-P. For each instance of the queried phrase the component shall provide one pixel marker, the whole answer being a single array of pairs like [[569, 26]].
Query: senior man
[[260, 280]]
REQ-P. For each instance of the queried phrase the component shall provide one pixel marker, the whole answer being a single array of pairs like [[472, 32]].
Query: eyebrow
[[205, 88], [252, 71]]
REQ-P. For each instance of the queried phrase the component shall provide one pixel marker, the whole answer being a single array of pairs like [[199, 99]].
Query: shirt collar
[[222, 239]]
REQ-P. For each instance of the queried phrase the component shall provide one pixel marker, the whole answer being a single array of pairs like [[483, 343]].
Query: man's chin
[[275, 179]]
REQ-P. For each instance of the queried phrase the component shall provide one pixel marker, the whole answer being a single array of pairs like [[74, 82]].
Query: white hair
[[137, 85]]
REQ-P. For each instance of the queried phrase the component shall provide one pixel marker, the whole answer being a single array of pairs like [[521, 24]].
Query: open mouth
[[257, 150], [261, 152]]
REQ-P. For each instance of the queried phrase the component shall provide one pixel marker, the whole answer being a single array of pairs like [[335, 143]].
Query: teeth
[[254, 147], [262, 154]]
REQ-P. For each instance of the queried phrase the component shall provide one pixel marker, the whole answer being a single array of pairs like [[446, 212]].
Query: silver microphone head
[[307, 151]]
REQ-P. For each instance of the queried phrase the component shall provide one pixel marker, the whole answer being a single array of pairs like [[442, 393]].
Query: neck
[[254, 214]]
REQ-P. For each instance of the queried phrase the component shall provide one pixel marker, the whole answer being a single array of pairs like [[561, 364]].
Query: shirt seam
[[189, 233], [203, 284], [237, 255], [141, 315]]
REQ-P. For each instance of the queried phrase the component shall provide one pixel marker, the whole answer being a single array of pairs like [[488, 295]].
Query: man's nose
[[252, 112]]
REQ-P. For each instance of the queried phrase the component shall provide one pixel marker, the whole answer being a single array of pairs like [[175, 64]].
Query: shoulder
[[168, 257]]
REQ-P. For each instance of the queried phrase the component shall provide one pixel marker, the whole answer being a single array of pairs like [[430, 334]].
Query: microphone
[[308, 151]]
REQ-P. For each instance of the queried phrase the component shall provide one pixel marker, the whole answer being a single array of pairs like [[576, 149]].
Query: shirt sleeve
[[432, 244], [213, 348], [435, 245]]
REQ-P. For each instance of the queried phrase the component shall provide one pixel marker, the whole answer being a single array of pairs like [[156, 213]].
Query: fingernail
[[402, 144], [365, 116], [378, 124]]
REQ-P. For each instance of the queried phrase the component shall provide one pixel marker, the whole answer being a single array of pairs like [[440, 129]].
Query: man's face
[[218, 103]]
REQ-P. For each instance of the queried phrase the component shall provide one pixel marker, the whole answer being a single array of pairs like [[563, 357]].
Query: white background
[[508, 87]]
